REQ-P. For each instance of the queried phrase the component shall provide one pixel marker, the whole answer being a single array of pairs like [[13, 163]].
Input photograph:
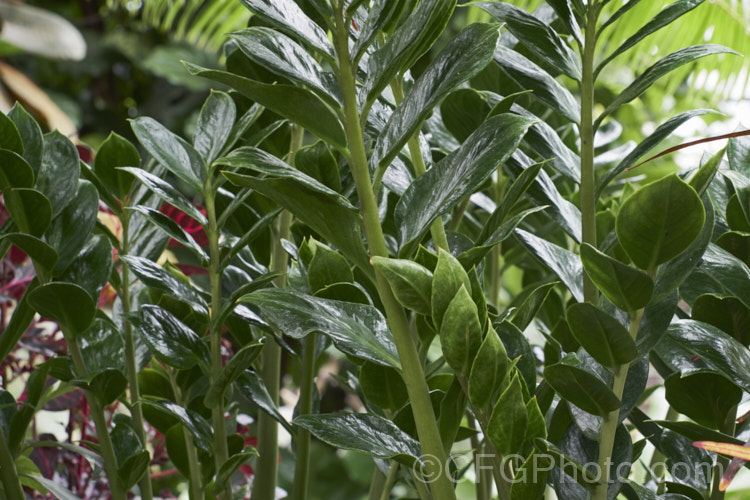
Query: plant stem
[[495, 253], [376, 485], [722, 462], [389, 481], [116, 490], [412, 371], [588, 175], [221, 452], [130, 359], [9, 473], [477, 448], [610, 421], [264, 485], [307, 379], [196, 486], [437, 230], [657, 459]]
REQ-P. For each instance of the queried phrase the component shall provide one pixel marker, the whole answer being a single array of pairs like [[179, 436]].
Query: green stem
[[130, 358], [657, 464], [477, 448], [610, 421], [412, 371], [264, 485], [221, 452], [495, 253], [307, 379], [9, 473], [588, 175], [376, 485], [196, 486], [389, 481], [722, 462], [458, 214], [116, 490], [437, 229]]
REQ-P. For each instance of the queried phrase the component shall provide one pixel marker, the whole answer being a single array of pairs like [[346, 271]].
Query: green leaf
[[488, 370], [318, 162], [67, 303], [383, 386], [410, 282], [726, 313], [658, 135], [215, 123], [103, 350], [464, 56], [738, 153], [527, 311], [545, 88], [456, 176], [289, 17], [626, 287], [168, 193], [530, 480], [727, 271], [663, 18], [659, 221], [29, 209], [364, 433], [356, 329], [171, 151], [169, 339], [173, 229], [327, 268], [659, 69], [702, 177], [381, 14], [536, 36], [92, 267], [297, 104], [449, 277], [70, 230], [580, 387], [282, 55], [15, 172], [19, 321], [232, 465], [601, 335], [706, 397], [410, 40], [60, 492], [460, 331], [463, 111], [57, 179], [198, 426], [236, 365], [94, 459], [31, 136], [507, 426], [10, 138], [115, 152], [253, 388], [563, 10], [132, 458], [564, 263]]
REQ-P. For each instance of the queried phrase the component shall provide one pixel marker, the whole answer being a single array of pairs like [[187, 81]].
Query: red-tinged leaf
[[741, 455]]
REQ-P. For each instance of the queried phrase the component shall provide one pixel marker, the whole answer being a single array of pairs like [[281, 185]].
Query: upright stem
[[130, 359], [495, 278], [377, 483], [221, 452], [389, 481], [9, 473], [588, 175], [609, 424], [307, 379], [116, 489], [722, 462], [196, 485], [412, 371], [264, 485], [437, 230]]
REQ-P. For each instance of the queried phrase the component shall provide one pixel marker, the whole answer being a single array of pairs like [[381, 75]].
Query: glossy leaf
[[92, 267], [173, 229], [198, 426], [726, 313], [659, 221], [10, 137], [57, 179], [70, 230], [232, 465], [488, 370], [31, 136], [116, 151], [383, 386], [456, 176], [626, 287], [565, 264], [464, 56], [19, 321], [460, 331], [410, 282], [356, 329], [580, 387], [364, 433], [507, 425], [29, 209], [564, 11], [253, 388], [659, 69], [729, 273], [173, 152], [15, 172], [705, 397], [297, 104], [67, 303], [536, 36], [167, 192], [527, 311], [215, 123], [169, 339], [601, 335], [318, 162], [449, 277], [237, 364], [381, 13]]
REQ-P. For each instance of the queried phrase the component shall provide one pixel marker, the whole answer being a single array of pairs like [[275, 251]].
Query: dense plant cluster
[[453, 233]]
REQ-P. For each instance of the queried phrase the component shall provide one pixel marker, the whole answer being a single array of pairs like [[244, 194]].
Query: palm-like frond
[[201, 23]]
